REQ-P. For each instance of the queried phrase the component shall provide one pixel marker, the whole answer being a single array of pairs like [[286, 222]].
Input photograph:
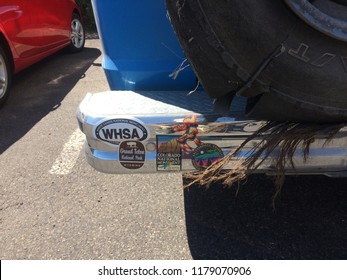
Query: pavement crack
[[11, 205]]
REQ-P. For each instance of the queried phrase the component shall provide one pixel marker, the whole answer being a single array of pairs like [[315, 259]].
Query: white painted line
[[69, 155]]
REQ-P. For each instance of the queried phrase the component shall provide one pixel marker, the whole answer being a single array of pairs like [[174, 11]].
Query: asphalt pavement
[[53, 205]]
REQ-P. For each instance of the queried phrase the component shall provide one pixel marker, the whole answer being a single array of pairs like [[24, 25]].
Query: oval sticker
[[117, 130]]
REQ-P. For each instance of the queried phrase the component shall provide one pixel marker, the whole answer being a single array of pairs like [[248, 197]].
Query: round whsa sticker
[[115, 131]]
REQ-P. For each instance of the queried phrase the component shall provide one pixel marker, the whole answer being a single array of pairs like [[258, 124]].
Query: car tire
[[77, 34], [288, 70], [5, 77]]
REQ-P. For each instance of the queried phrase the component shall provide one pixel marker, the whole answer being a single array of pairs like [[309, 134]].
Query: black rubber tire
[[78, 45], [226, 41], [5, 77]]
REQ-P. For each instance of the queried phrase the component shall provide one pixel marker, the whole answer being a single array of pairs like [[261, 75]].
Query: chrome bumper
[[148, 132]]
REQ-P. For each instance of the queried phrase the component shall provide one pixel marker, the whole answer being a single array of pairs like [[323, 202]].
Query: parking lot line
[[69, 154]]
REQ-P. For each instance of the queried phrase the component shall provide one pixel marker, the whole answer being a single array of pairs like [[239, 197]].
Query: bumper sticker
[[132, 154], [205, 155], [169, 154], [115, 131]]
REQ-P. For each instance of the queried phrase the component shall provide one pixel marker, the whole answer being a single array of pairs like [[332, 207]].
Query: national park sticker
[[132, 154], [169, 155]]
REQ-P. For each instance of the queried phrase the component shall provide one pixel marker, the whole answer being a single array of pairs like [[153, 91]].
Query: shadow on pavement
[[309, 221], [39, 90]]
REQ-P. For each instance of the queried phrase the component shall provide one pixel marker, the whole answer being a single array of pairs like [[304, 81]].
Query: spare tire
[[290, 64]]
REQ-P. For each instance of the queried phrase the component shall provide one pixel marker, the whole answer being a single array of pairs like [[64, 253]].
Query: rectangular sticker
[[169, 154]]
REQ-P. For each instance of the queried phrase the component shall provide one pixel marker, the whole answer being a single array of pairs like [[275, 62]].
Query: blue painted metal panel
[[139, 46]]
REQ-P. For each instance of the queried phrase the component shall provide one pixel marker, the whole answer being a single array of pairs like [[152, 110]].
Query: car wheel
[[77, 34], [289, 57], [5, 77]]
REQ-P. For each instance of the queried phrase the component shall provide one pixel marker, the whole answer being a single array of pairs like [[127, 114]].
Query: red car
[[32, 30]]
